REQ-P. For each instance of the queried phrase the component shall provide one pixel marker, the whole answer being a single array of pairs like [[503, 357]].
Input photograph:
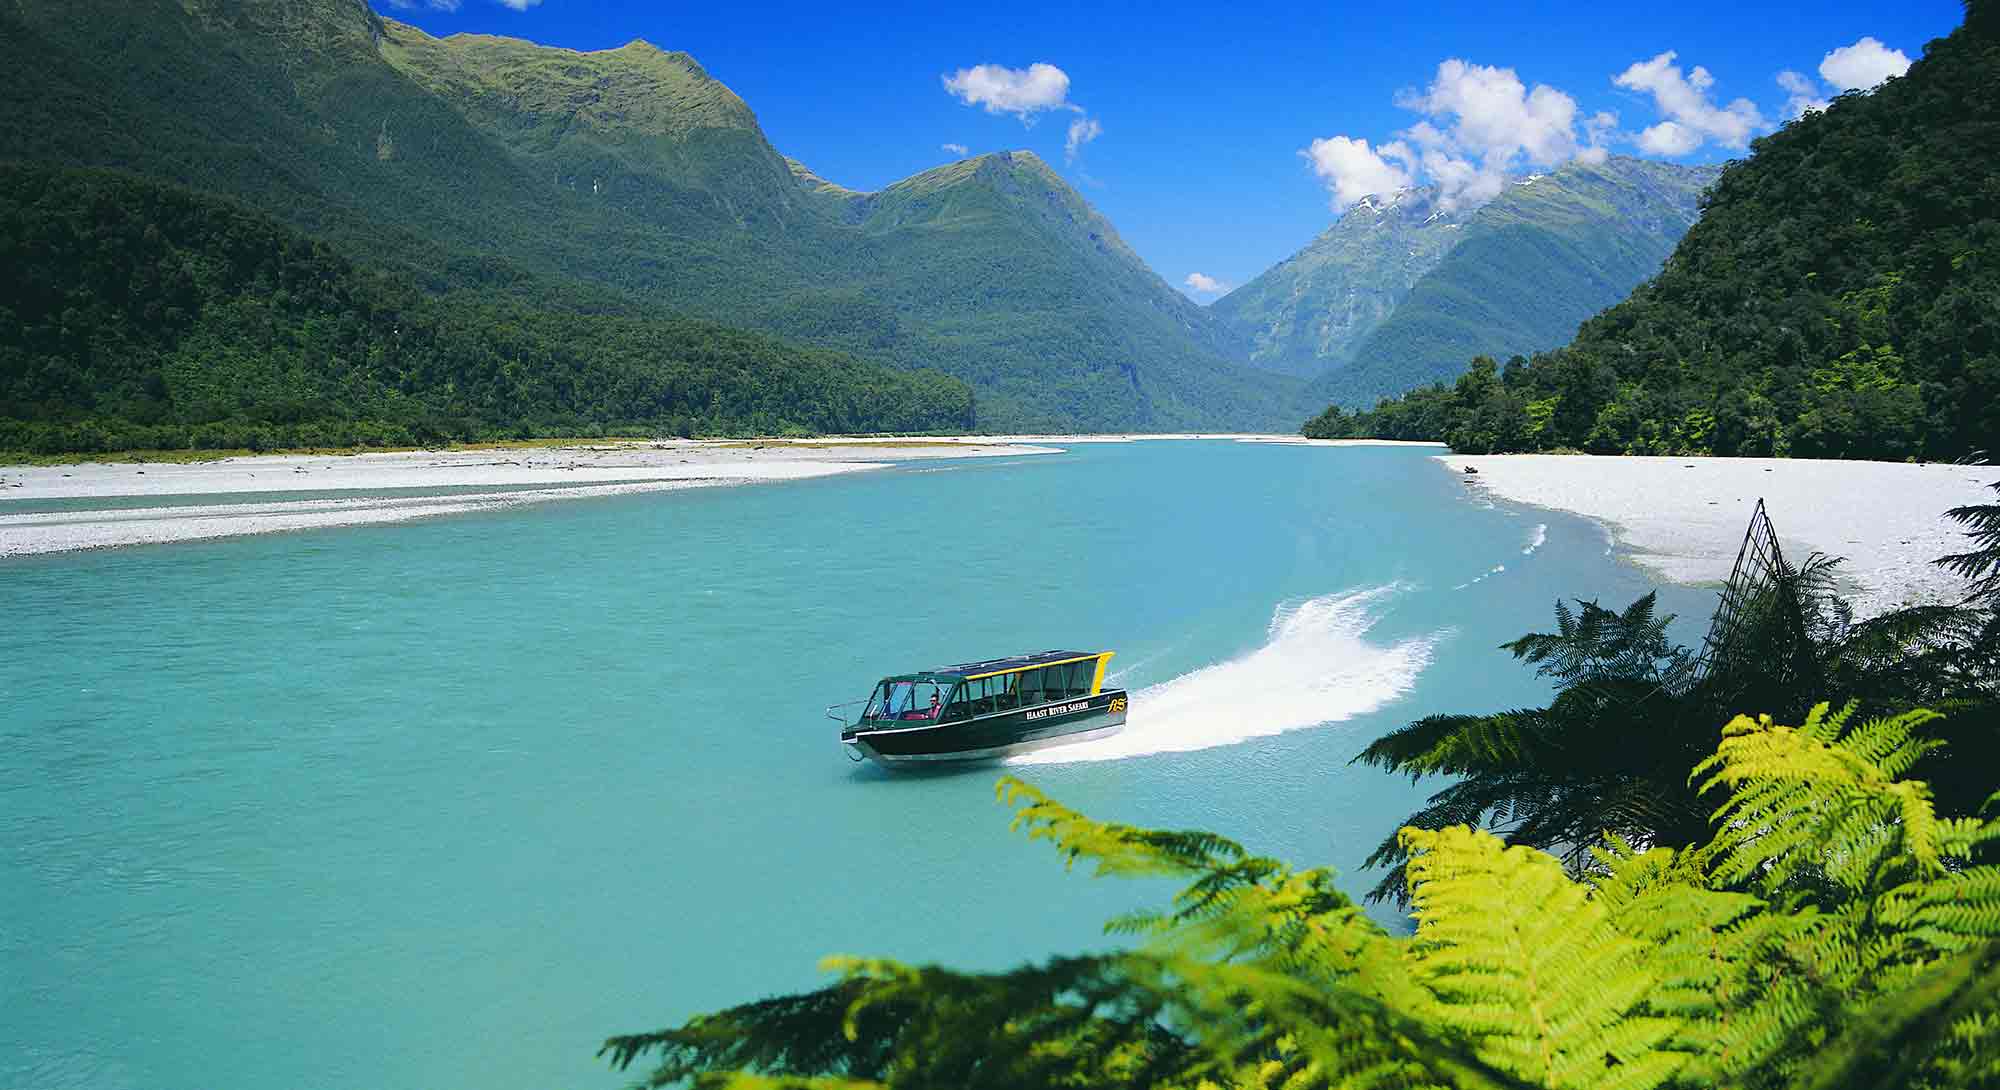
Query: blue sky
[[1207, 115]]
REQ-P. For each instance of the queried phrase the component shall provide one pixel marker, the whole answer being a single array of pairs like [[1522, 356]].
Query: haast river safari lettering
[[1059, 709]]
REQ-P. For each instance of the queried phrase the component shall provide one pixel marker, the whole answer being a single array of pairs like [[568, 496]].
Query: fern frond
[[745, 1080], [1942, 1029], [1520, 958], [1824, 798], [1116, 849]]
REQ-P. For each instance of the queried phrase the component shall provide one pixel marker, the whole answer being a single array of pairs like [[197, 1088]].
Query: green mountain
[[1309, 312], [140, 315], [1401, 290], [624, 180], [1549, 251], [1836, 299]]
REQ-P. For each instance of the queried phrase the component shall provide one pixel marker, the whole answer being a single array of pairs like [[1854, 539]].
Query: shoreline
[[205, 457], [47, 509], [59, 507], [1683, 519]]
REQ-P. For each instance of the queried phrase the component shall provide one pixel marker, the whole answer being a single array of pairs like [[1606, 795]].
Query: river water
[[446, 803]]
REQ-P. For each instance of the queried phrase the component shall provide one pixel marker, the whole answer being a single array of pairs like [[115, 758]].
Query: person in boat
[[931, 713]]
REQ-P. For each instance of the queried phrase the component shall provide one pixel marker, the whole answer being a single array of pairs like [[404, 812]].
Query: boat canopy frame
[[1014, 664]]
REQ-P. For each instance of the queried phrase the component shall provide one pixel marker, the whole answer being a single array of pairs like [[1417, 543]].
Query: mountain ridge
[[1307, 313], [1351, 309], [1527, 269], [418, 153]]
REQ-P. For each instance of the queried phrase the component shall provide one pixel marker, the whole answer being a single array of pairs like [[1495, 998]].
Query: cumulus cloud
[[1081, 131], [1863, 65], [1494, 117], [1478, 123], [959, 150], [1352, 170], [1023, 92], [1803, 94], [1204, 284], [1693, 118], [1599, 131], [1669, 138]]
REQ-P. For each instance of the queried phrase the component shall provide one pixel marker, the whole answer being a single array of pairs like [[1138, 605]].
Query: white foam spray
[[1535, 539], [1315, 668]]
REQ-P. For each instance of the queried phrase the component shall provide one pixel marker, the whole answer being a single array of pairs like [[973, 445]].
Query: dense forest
[[138, 316], [1837, 299]]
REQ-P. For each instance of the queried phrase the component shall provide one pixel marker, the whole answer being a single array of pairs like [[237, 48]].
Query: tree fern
[[1981, 564]]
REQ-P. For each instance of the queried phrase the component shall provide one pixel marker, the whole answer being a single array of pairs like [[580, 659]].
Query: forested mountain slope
[[1840, 297], [618, 180], [1529, 267], [1308, 313], [141, 315], [1402, 289]]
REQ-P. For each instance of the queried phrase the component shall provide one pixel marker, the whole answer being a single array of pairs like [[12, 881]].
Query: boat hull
[[991, 737]]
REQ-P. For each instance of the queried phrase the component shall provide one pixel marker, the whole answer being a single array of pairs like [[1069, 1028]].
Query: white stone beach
[[103, 503], [1684, 518]]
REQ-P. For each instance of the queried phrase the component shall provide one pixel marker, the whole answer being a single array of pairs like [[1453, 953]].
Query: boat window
[[913, 700], [1006, 692], [960, 704], [1033, 685]]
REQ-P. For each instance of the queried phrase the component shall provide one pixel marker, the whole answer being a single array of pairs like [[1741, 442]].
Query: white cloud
[[517, 5], [1693, 118], [1205, 284], [959, 150], [1599, 131], [1479, 122], [1495, 117], [1352, 170], [434, 5], [1669, 138], [1081, 131], [1862, 65], [1023, 92], [1804, 93]]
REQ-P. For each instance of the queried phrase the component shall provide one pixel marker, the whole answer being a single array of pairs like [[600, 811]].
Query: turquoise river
[[443, 804]]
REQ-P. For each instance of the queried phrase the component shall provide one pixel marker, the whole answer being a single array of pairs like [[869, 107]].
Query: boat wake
[[1316, 668]]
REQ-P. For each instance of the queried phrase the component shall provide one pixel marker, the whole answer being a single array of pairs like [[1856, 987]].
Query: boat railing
[[841, 717]]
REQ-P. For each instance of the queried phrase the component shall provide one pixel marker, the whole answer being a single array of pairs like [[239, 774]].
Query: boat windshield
[[915, 700]]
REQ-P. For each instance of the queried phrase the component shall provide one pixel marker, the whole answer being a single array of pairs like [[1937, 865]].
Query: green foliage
[[1981, 564], [142, 316], [1834, 300], [1631, 713], [1834, 932]]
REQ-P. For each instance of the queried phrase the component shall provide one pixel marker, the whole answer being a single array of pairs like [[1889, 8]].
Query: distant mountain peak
[[1313, 311], [635, 88]]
